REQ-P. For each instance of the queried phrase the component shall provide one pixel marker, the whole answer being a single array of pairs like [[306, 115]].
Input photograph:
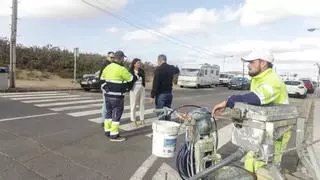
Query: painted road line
[[53, 100], [124, 116], [91, 112], [143, 169], [66, 108], [45, 97], [68, 103], [27, 117], [21, 93], [132, 126], [166, 172], [127, 115], [33, 95]]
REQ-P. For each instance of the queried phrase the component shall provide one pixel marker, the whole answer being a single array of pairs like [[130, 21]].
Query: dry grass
[[38, 79]]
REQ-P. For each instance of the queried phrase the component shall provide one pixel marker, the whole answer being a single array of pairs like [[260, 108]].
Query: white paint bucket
[[164, 138]]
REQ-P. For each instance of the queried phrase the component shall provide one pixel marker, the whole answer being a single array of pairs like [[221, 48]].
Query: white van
[[198, 75], [225, 78]]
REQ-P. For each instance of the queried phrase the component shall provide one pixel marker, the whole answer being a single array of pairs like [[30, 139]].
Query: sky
[[187, 31]]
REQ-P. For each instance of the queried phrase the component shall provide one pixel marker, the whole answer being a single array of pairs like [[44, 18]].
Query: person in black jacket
[[137, 91], [162, 83], [110, 58]]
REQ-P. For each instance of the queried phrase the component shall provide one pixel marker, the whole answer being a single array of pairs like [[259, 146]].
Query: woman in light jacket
[[137, 91]]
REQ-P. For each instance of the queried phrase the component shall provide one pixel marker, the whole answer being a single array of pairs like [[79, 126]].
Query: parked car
[[239, 83], [90, 81], [308, 84], [296, 88], [225, 79]]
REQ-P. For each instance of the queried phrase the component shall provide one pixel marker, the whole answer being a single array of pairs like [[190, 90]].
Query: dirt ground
[[54, 83], [49, 83]]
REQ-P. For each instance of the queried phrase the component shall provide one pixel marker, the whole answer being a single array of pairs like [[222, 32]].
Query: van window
[[224, 76], [189, 72], [201, 72]]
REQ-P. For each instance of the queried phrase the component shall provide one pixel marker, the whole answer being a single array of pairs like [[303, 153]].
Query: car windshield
[[189, 72], [293, 83], [224, 76], [238, 79], [306, 81]]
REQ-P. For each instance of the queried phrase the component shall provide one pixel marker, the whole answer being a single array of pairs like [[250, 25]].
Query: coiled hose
[[185, 157]]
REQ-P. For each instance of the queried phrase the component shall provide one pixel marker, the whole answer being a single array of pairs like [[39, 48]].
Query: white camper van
[[225, 78], [198, 75]]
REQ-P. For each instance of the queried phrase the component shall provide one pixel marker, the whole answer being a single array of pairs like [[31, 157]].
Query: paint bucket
[[164, 138]]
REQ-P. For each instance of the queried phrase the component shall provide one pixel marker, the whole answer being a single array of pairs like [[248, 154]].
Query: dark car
[[90, 81], [308, 84], [242, 83]]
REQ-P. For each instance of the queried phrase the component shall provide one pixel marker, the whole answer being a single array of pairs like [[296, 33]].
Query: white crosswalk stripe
[[68, 103], [66, 108], [45, 97], [53, 100], [33, 95], [77, 105], [91, 112], [124, 115], [22, 93]]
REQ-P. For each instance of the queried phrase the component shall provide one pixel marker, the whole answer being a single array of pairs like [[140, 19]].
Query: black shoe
[[117, 138], [107, 134]]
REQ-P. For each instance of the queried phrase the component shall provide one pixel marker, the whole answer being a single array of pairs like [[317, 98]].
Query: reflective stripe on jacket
[[116, 79]]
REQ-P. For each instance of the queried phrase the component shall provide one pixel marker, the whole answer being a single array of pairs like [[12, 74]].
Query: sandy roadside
[[58, 83]]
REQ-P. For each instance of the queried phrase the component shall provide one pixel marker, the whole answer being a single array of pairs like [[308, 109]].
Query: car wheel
[[87, 89]]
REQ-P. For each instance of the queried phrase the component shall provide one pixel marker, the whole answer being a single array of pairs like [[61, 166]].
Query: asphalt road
[[56, 135]]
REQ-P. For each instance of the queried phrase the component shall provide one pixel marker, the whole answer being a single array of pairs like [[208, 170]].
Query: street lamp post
[[224, 60], [318, 78], [317, 64]]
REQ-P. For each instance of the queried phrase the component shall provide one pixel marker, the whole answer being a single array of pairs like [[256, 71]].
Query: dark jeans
[[163, 100]]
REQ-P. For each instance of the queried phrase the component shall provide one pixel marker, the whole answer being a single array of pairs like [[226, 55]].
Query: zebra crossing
[[78, 105]]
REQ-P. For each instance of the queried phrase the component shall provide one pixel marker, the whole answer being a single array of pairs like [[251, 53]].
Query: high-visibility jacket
[[117, 79], [269, 88]]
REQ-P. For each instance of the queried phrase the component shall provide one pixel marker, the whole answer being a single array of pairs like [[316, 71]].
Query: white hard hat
[[263, 54]]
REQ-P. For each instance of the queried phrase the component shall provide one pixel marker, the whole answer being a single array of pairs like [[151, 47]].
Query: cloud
[[113, 30], [140, 35], [198, 20], [256, 12], [57, 8], [301, 51], [298, 44], [179, 23]]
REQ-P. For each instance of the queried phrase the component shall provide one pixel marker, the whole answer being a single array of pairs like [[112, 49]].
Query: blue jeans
[[163, 100]]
